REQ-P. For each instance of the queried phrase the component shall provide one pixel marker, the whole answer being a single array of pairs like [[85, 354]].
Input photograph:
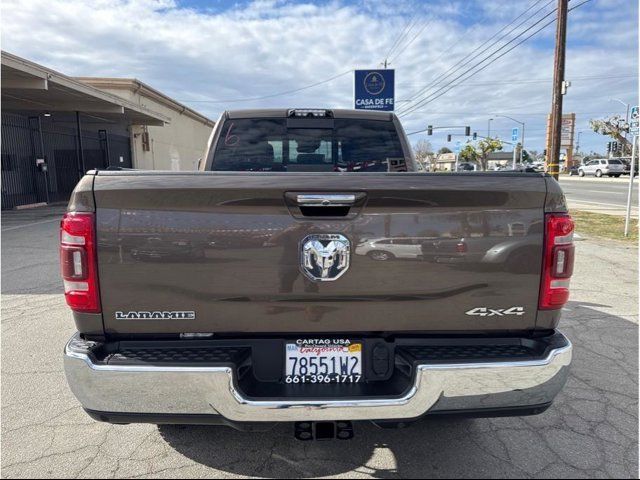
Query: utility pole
[[558, 81]]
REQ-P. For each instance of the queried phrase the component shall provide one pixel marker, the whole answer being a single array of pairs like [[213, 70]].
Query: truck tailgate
[[221, 252]]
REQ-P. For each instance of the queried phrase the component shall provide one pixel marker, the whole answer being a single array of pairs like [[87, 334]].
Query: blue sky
[[205, 53]]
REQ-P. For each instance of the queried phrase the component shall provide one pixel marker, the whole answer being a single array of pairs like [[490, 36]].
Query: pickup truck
[[249, 293]]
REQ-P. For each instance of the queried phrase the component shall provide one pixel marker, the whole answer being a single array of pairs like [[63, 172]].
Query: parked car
[[627, 166], [289, 323], [573, 170], [467, 167], [383, 249], [611, 167]]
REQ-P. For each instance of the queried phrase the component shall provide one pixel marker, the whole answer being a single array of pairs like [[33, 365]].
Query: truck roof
[[284, 112]]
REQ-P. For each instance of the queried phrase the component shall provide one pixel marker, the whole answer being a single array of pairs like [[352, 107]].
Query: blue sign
[[374, 89], [515, 133], [635, 121], [457, 148]]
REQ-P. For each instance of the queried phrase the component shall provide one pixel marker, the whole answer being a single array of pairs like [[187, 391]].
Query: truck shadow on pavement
[[592, 428]]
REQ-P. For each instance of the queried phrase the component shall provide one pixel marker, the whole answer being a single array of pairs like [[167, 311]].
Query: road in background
[[600, 195], [590, 431]]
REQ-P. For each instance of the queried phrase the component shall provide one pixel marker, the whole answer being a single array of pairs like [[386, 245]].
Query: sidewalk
[[606, 180], [597, 207]]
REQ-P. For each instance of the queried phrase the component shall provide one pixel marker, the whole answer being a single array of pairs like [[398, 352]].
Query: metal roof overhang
[[32, 87]]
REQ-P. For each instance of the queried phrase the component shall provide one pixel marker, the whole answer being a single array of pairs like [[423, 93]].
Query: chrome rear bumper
[[211, 390]]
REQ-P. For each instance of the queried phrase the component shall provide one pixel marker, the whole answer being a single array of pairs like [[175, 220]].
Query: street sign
[[457, 147], [566, 130], [374, 89], [515, 134], [634, 122]]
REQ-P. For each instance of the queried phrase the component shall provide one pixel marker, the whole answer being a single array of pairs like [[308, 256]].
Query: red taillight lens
[[78, 262], [461, 247], [557, 266]]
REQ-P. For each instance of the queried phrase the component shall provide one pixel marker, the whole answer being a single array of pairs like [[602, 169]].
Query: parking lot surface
[[591, 431]]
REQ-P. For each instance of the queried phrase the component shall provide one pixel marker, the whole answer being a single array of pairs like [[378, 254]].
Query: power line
[[411, 41], [403, 33], [427, 100], [279, 94], [470, 56], [488, 40], [431, 97], [493, 112], [462, 63], [539, 80]]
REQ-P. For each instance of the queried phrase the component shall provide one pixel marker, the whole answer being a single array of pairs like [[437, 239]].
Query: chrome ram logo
[[325, 257]]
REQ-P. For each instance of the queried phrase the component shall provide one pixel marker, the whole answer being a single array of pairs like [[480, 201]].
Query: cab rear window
[[331, 145]]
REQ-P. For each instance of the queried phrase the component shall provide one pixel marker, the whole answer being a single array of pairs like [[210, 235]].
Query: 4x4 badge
[[495, 312]]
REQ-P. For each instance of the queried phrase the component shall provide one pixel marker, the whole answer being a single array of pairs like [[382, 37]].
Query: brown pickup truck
[[308, 274]]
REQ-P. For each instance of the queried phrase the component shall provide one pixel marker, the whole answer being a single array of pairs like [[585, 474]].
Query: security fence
[[43, 160]]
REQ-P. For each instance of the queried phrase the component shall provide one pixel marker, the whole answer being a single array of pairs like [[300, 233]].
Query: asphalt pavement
[[600, 195], [591, 430]]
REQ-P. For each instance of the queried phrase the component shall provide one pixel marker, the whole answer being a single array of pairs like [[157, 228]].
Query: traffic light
[[609, 147], [467, 131], [449, 138], [614, 147], [430, 130], [475, 135]]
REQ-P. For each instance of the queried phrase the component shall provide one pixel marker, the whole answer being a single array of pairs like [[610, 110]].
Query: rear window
[[329, 145]]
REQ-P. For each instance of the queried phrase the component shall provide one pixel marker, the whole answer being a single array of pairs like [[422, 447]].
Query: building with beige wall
[[178, 144], [445, 162]]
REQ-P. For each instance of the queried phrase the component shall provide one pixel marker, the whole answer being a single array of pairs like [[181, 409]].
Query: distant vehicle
[[525, 167], [573, 171], [467, 167], [538, 166], [383, 249], [611, 167], [627, 166]]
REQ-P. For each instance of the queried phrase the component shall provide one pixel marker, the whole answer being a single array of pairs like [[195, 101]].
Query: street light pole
[[522, 141], [489, 128], [626, 118], [627, 219]]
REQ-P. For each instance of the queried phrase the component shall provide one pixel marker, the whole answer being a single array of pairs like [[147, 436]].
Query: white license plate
[[323, 361]]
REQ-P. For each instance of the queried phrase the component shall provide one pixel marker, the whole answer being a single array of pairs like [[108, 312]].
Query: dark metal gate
[[27, 141]]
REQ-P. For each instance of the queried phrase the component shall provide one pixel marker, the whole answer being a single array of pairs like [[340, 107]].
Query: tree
[[444, 150], [468, 154], [423, 151], [484, 148], [614, 127]]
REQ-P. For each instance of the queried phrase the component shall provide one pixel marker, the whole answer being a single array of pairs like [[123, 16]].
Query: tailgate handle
[[325, 200]]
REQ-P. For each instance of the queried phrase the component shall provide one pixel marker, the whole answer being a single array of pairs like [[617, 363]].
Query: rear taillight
[[78, 262], [557, 266]]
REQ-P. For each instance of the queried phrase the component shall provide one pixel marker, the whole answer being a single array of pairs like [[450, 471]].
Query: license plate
[[323, 361]]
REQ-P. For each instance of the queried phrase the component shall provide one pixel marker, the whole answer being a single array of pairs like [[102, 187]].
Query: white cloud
[[272, 46]]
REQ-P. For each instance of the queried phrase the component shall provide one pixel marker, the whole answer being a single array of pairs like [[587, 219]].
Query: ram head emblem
[[325, 257]]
